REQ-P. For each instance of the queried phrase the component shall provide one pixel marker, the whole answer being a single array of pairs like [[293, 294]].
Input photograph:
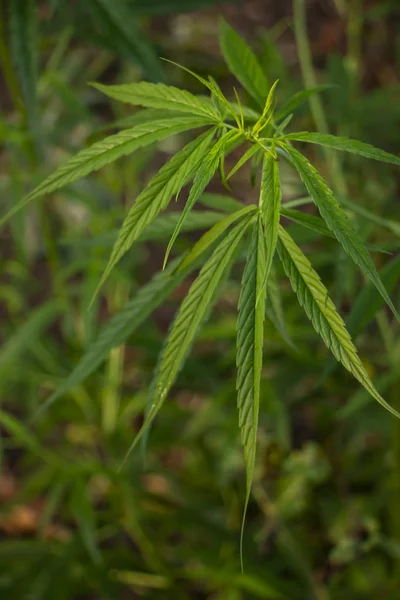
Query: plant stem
[[310, 81], [111, 393], [354, 34]]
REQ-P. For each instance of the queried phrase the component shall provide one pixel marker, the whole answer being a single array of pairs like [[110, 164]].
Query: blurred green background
[[324, 517]]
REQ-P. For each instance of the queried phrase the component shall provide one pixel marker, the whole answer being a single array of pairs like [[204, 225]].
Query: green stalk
[[354, 36], [111, 392], [310, 80]]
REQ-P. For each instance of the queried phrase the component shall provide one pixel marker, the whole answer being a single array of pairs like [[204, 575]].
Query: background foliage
[[323, 520]]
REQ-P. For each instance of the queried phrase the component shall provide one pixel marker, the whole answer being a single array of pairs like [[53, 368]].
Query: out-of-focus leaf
[[27, 334], [243, 63], [106, 151], [120, 31], [24, 47]]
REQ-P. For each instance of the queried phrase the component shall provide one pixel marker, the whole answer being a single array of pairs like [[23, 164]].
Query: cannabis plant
[[254, 230]]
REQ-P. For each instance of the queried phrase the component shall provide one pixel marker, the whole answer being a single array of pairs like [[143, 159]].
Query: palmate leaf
[[337, 220], [243, 63], [156, 197], [204, 175], [122, 325], [313, 297], [158, 95], [190, 317], [250, 336], [344, 144], [106, 151]]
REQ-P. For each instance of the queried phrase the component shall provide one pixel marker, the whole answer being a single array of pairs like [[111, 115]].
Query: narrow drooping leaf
[[390, 224], [144, 115], [298, 99], [243, 63], [220, 202], [313, 297], [85, 516], [337, 220], [121, 326], [250, 337], [344, 144], [189, 319], [270, 204], [158, 95], [26, 335], [160, 229], [243, 160], [106, 151], [120, 31], [214, 233], [282, 125], [367, 304], [24, 48], [274, 309], [156, 197], [202, 178], [310, 221]]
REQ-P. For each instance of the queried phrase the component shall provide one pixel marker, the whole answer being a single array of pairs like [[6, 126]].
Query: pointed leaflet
[[250, 336], [121, 326], [204, 175], [337, 220], [191, 314], [274, 309], [106, 151], [393, 226], [214, 233], [345, 145], [158, 95], [270, 203], [243, 160], [313, 297], [266, 113], [156, 196], [310, 221], [242, 63], [367, 304], [282, 125]]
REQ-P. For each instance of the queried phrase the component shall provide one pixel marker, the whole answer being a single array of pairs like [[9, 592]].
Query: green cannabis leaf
[[337, 220], [190, 316], [170, 111], [313, 297], [250, 335]]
